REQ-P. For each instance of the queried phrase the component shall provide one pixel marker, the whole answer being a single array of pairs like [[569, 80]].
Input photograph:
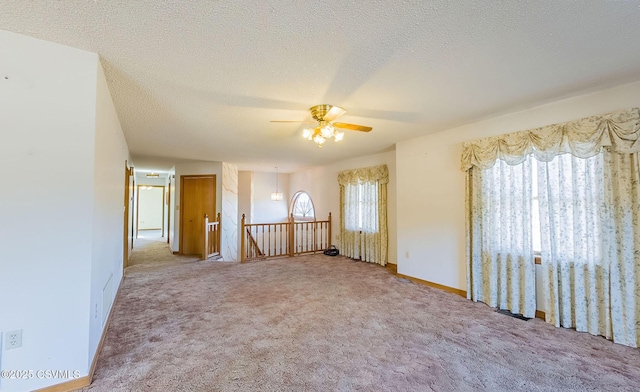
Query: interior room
[[177, 170]]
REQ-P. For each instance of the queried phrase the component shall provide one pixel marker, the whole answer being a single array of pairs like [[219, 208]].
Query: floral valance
[[582, 138], [378, 173]]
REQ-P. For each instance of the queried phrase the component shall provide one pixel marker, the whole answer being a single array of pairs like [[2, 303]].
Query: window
[[302, 207], [353, 207], [363, 213], [571, 185], [572, 207], [358, 206], [562, 191], [505, 207], [581, 214]]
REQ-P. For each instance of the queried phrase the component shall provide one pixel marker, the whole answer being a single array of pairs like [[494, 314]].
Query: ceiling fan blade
[[333, 113], [352, 127], [292, 121]]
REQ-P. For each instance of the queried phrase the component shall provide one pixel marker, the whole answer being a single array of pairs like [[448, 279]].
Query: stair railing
[[270, 240], [211, 243]]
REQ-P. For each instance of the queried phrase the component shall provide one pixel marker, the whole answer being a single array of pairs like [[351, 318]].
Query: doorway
[[197, 197], [150, 211]]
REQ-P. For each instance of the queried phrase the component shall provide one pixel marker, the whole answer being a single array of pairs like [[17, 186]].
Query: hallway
[[151, 250]]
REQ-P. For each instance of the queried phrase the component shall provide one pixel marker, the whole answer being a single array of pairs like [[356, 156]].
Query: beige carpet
[[317, 323]]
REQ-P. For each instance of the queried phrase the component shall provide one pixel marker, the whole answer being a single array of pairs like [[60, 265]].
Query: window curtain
[[572, 213], [363, 213], [590, 227], [501, 270], [590, 239], [621, 244], [582, 138]]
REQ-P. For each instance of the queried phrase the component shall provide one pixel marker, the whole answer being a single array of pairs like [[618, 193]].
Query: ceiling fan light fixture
[[307, 133], [319, 140], [326, 130]]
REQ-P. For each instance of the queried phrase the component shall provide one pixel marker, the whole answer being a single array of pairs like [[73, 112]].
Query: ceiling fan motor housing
[[319, 111]]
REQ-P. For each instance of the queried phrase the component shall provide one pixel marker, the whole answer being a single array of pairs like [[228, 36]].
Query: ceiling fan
[[326, 129]]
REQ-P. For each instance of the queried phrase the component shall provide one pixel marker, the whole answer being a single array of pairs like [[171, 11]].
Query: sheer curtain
[[363, 217], [572, 215], [501, 270], [621, 243], [350, 220], [589, 211]]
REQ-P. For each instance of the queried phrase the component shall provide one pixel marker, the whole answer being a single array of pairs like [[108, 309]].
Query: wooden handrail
[[266, 240]]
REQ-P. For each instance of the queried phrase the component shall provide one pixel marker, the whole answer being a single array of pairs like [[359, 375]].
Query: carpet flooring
[[320, 323]]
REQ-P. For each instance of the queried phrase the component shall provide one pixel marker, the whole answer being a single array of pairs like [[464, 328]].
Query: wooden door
[[197, 197]]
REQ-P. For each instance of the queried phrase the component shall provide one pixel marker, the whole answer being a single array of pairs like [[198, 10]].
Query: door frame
[[215, 197], [168, 201], [128, 173]]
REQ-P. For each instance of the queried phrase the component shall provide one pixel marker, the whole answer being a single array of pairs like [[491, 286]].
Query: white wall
[[431, 225], [321, 183], [193, 168], [141, 179], [52, 265], [245, 196], [110, 154], [266, 210]]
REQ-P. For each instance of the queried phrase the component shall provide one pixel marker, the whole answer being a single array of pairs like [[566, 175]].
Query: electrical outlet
[[13, 339]]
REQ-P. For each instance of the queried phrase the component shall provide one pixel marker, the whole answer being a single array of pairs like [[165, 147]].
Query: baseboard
[[175, 253], [85, 381], [392, 267], [452, 290]]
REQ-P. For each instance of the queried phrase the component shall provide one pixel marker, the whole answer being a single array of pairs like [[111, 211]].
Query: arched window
[[302, 207]]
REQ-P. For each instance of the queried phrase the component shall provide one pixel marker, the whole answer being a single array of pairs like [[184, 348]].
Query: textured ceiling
[[200, 80]]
